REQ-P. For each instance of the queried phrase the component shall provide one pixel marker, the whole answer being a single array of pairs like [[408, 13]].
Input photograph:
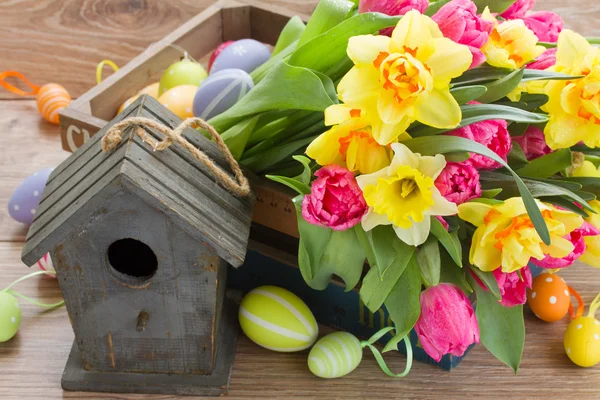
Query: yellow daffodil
[[592, 252], [404, 195], [511, 44], [405, 78], [349, 143], [574, 105], [506, 238], [586, 169]]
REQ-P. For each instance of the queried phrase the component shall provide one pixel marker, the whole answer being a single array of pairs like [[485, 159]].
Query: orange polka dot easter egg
[[50, 99], [179, 100], [549, 297]]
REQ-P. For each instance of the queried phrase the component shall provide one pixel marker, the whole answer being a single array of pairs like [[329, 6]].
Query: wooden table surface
[[62, 41]]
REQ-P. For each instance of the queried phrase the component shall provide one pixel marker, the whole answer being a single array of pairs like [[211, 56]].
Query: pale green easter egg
[[10, 316], [335, 355], [277, 319], [184, 72]]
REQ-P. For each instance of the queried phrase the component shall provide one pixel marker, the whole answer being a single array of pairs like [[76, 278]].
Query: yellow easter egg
[[582, 341], [179, 100], [150, 90], [277, 319]]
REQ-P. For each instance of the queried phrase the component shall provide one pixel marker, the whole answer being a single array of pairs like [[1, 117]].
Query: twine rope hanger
[[239, 185]]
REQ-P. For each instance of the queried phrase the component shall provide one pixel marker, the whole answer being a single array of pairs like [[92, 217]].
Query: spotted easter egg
[[179, 100], [184, 72], [10, 316], [245, 54], [24, 201], [220, 91], [50, 99], [218, 51], [549, 297], [582, 341], [277, 319], [335, 355]]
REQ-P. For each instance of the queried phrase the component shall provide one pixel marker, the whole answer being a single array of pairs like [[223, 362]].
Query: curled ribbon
[[12, 88], [379, 358], [101, 65], [29, 299]]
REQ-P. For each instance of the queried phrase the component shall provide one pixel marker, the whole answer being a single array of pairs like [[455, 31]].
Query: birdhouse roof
[[171, 181]]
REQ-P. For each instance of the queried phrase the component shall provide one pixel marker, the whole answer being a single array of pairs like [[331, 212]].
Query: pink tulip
[[442, 221], [447, 323], [518, 9], [459, 22], [577, 238], [493, 134], [512, 288], [335, 200], [392, 7], [545, 61], [459, 182], [533, 143], [545, 24]]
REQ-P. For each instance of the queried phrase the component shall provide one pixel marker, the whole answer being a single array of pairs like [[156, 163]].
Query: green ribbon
[[29, 299], [379, 358]]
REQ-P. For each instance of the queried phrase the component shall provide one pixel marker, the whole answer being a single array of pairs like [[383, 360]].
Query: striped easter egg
[[52, 98], [220, 91], [277, 319], [45, 264], [335, 355]]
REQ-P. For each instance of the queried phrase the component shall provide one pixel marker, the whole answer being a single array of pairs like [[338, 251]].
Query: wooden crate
[[223, 21]]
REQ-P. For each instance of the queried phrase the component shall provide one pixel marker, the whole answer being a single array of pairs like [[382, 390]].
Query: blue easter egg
[[220, 91], [245, 54], [25, 199]]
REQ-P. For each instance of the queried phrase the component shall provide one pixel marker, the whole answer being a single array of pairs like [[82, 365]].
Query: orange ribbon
[[580, 305], [12, 88]]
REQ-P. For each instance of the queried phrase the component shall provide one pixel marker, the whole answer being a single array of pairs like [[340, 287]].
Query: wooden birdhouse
[[141, 240]]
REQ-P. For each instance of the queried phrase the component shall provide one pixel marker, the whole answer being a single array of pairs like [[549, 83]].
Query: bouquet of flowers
[[448, 144]]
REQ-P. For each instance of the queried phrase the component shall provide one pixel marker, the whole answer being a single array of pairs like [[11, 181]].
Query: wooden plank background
[[62, 41]]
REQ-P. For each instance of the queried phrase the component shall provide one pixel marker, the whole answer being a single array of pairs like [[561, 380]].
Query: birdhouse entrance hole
[[132, 261]]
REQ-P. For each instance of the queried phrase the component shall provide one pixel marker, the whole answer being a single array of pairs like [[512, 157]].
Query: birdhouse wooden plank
[[141, 240]]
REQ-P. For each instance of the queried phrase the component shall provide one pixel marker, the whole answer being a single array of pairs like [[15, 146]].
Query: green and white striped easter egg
[[335, 355], [277, 319]]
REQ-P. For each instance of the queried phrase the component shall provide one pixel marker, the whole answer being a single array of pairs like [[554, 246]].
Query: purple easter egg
[[25, 199], [220, 91], [245, 54]]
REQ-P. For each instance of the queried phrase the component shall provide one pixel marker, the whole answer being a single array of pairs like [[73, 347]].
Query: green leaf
[[365, 244], [448, 240], [589, 184], [260, 162], [306, 175], [403, 303], [386, 247], [491, 193], [237, 136], [496, 6], [565, 203], [502, 329], [429, 262], [516, 157], [501, 87], [535, 188], [451, 273], [313, 240], [449, 144], [324, 52], [489, 280], [547, 165], [303, 90], [486, 201], [472, 113], [374, 290], [259, 73], [434, 6], [292, 183], [528, 102], [327, 14], [290, 33], [542, 75], [464, 94], [487, 73], [517, 129]]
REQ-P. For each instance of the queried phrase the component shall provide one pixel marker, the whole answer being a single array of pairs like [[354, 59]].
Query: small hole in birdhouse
[[134, 261]]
